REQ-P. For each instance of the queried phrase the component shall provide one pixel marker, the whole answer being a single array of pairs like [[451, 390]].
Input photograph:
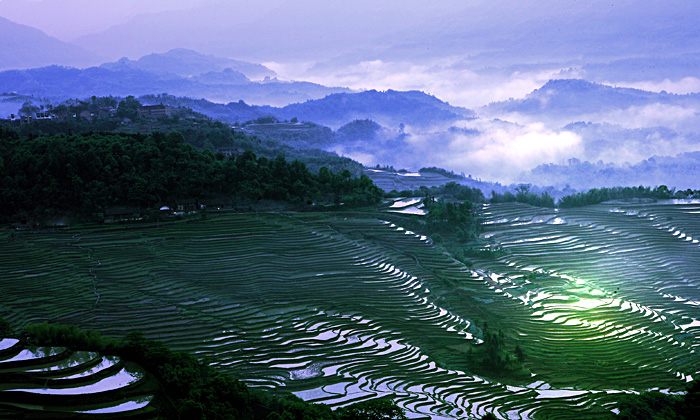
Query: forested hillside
[[84, 174]]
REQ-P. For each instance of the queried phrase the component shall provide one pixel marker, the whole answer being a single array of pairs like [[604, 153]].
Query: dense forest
[[109, 114], [84, 174]]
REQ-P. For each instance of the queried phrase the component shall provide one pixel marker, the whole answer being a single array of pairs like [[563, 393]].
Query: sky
[[82, 17]]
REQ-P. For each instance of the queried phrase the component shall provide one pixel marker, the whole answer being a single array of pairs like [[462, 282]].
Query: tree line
[[525, 196], [600, 195], [83, 174]]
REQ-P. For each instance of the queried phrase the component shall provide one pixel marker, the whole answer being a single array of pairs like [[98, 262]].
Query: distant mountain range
[[681, 172], [572, 97], [25, 47], [177, 72], [390, 109], [187, 63]]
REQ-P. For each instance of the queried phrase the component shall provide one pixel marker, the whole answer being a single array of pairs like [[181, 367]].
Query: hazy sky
[[69, 19]]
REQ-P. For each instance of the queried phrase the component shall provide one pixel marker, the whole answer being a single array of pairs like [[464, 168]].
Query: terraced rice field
[[339, 308], [51, 383]]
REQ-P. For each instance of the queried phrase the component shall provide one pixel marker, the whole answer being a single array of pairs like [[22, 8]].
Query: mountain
[[25, 47], [187, 63], [571, 97], [225, 77], [681, 172], [349, 111], [65, 82], [640, 69], [390, 109]]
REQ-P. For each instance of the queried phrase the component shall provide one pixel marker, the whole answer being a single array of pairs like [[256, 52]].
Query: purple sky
[[69, 19]]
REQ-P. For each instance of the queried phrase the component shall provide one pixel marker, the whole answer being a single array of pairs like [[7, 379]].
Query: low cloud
[[501, 152], [490, 150], [448, 79], [683, 86], [653, 115]]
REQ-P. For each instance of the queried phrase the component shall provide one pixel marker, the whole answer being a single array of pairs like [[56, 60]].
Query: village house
[[155, 111], [116, 214]]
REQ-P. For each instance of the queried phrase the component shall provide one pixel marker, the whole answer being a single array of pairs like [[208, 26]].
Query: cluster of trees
[[654, 405], [459, 219], [493, 358], [85, 174], [440, 171], [525, 196], [599, 195], [358, 129], [194, 390], [451, 190]]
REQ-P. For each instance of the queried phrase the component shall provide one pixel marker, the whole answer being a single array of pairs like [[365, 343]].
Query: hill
[[389, 108], [25, 47], [574, 97], [187, 63], [123, 80]]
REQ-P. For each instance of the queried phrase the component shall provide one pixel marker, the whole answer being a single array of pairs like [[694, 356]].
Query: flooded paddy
[[342, 308]]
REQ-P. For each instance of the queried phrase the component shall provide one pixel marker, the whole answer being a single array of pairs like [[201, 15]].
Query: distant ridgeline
[[83, 175]]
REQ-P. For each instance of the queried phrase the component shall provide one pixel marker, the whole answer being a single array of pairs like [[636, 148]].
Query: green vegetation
[[380, 409], [5, 328], [109, 114], [85, 174], [654, 405], [343, 306], [128, 108], [523, 195], [459, 219], [441, 171], [492, 357], [599, 195], [449, 191]]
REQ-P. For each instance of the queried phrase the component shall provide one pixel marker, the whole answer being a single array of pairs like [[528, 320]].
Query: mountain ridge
[[184, 62], [26, 47]]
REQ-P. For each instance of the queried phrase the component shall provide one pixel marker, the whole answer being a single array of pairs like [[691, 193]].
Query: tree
[[377, 409], [5, 328], [28, 109], [128, 108]]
